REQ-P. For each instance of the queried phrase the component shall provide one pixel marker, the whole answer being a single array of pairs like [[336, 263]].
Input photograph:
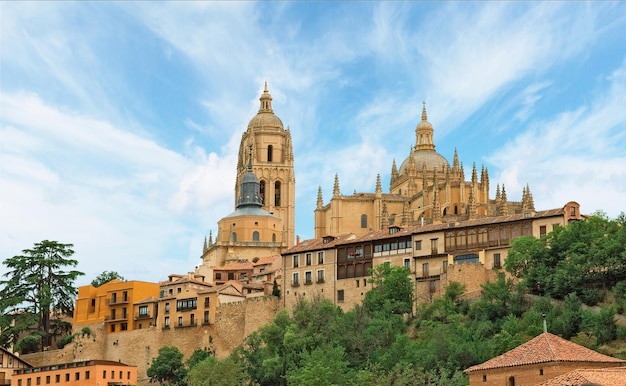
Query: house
[[615, 376], [539, 360], [8, 363], [82, 373]]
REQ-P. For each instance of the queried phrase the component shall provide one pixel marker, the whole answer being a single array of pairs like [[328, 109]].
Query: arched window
[[273, 237], [445, 211], [277, 193], [234, 236], [456, 209], [511, 381], [363, 221], [255, 236], [262, 192], [270, 150]]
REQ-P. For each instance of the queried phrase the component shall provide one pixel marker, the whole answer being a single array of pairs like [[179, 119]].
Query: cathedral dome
[[429, 158], [265, 118]]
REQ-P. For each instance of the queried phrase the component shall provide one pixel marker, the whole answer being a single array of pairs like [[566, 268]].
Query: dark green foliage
[[213, 372], [275, 289], [106, 277], [586, 258], [168, 367], [392, 291], [62, 342], [38, 283]]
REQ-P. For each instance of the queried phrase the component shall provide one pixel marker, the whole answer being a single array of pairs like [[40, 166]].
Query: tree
[[39, 289], [106, 277], [168, 367], [213, 372], [392, 290], [275, 289]]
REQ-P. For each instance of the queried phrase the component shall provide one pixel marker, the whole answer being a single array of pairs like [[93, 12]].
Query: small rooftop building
[[537, 361]]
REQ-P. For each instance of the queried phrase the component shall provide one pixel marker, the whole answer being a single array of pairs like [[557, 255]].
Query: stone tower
[[272, 163]]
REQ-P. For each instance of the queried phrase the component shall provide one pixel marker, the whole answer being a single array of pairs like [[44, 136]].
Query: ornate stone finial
[[320, 203], [424, 115], [379, 189], [336, 187], [265, 90], [250, 158], [504, 205], [455, 162], [205, 246], [472, 205], [210, 238], [266, 101], [498, 194], [474, 175]]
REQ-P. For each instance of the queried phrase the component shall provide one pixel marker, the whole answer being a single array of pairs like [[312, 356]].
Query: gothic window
[[234, 236], [456, 209], [363, 221], [273, 237], [270, 150], [255, 236], [262, 191], [277, 193]]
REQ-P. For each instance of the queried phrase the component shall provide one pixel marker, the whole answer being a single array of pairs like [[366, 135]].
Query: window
[[270, 150], [407, 263], [496, 260], [277, 194], [77, 376], [234, 236], [125, 296], [143, 311], [192, 319], [255, 236], [47, 379], [542, 231], [231, 276], [38, 381], [296, 279], [218, 276], [540, 371], [124, 313], [425, 270], [320, 276], [186, 304], [205, 319], [124, 326], [113, 298], [340, 295], [357, 283], [308, 277], [484, 378], [572, 211], [57, 377], [112, 327], [112, 374], [207, 301], [167, 321], [113, 314], [104, 375], [67, 377], [296, 261], [87, 374], [320, 257], [363, 221], [167, 308], [445, 266], [308, 259], [180, 321], [418, 245], [128, 375], [433, 246], [262, 192]]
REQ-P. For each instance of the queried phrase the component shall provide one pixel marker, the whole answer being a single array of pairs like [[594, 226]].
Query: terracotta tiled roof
[[545, 348], [613, 376], [238, 266], [266, 260], [318, 244], [150, 299]]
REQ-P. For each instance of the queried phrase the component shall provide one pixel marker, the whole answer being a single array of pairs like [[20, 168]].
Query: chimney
[[545, 324], [297, 239]]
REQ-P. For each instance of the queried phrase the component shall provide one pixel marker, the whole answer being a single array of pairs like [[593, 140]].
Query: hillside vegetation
[[381, 343]]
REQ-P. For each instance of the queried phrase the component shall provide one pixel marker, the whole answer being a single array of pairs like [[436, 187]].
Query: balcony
[[139, 316], [295, 283], [320, 280], [187, 325], [308, 282]]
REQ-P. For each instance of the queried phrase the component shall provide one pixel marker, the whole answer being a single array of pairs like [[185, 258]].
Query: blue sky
[[120, 122]]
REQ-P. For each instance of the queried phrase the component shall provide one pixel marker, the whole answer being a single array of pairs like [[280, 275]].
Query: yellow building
[[264, 218], [425, 189], [113, 303]]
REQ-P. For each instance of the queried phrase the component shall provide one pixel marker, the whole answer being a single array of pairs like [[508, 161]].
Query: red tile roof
[[318, 244], [545, 348], [238, 266], [614, 376], [266, 260]]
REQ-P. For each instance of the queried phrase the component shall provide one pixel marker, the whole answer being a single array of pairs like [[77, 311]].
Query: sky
[[120, 122]]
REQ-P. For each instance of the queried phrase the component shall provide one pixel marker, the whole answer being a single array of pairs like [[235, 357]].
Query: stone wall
[[234, 322]]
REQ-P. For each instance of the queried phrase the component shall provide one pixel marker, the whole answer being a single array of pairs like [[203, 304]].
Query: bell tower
[[272, 163]]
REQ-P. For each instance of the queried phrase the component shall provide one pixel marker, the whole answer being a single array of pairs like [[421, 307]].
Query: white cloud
[[123, 200]]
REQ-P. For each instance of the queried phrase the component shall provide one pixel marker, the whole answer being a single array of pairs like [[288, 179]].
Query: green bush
[[64, 341]]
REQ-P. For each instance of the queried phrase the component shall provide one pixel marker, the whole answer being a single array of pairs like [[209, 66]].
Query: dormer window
[[393, 230]]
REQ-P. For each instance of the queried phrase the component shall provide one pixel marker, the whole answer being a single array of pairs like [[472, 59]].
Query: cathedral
[[424, 190], [263, 223]]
